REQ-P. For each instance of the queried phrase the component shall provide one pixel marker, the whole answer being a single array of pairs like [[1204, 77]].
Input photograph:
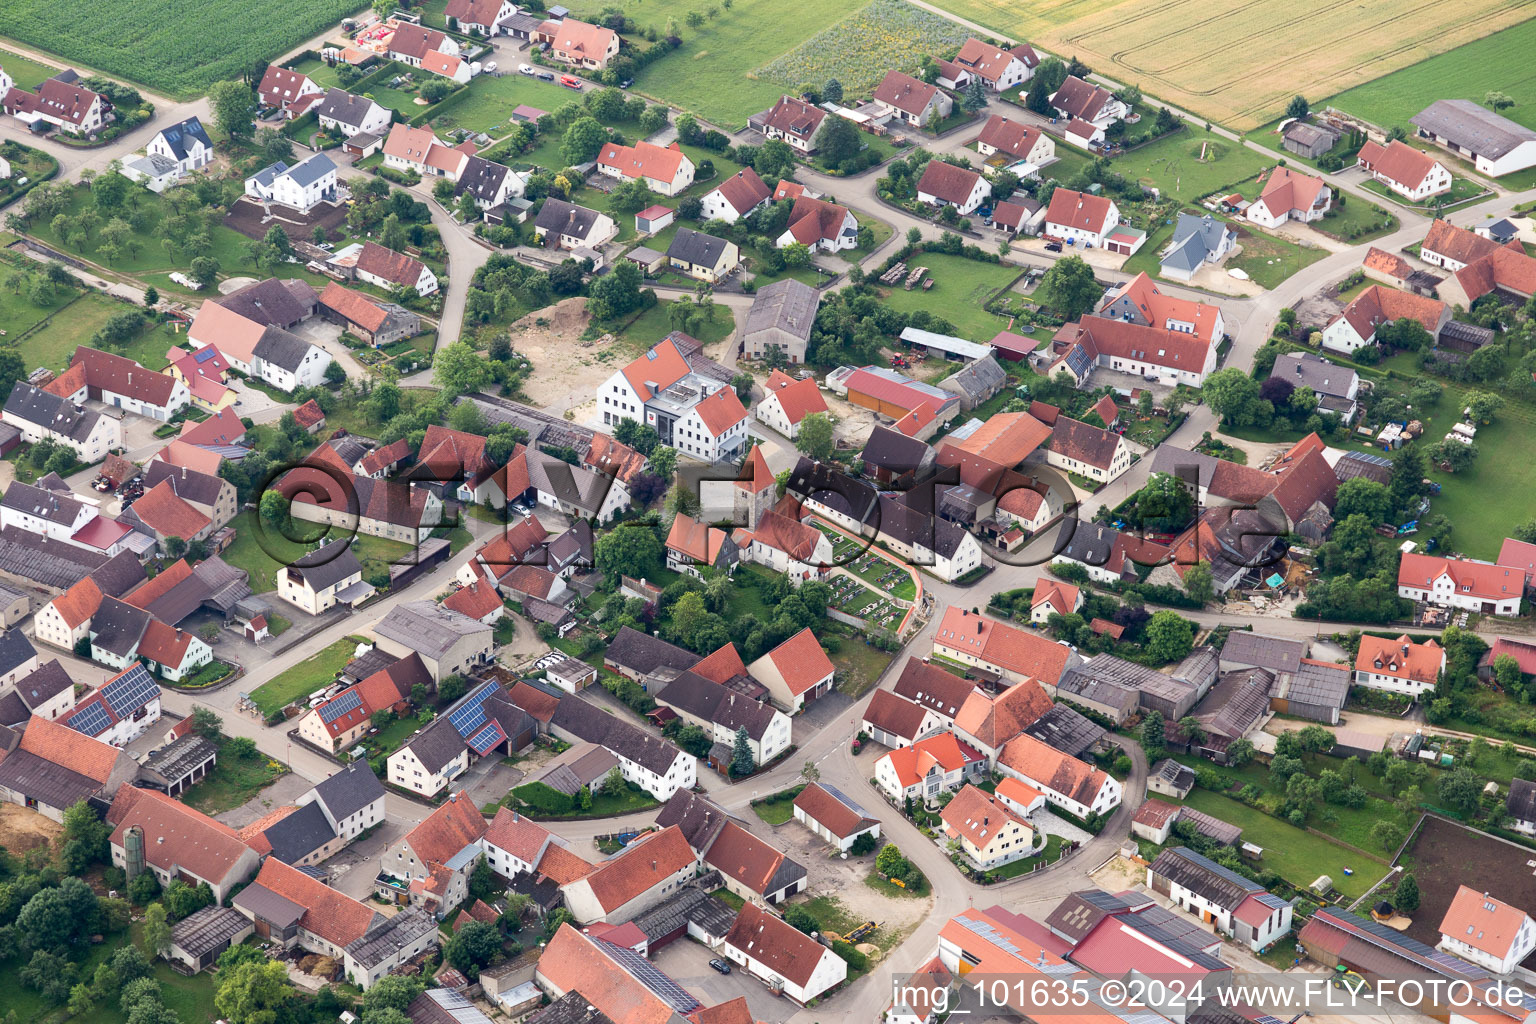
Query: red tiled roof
[[815, 220], [1176, 350], [801, 661], [517, 834], [572, 962], [607, 455], [942, 750], [1081, 210], [1048, 766], [561, 866], [1460, 245], [1388, 263], [948, 182], [1006, 438], [995, 720], [744, 190], [738, 854], [164, 645], [1155, 813], [1401, 658], [1482, 921], [454, 825], [169, 515], [721, 411], [55, 98], [905, 93], [390, 265], [354, 306], [1503, 268], [1060, 596], [646, 160], [477, 600], [643, 864], [309, 414], [590, 41], [793, 116], [784, 950], [787, 189], [63, 746], [1476, 579], [894, 714], [799, 398], [662, 366], [328, 913], [997, 642], [794, 538], [1159, 307], [235, 335], [152, 590], [984, 59], [1377, 305], [698, 541], [977, 816], [175, 835], [222, 427], [721, 666], [107, 371], [830, 812], [1398, 161], [440, 63], [1286, 190], [1012, 137]]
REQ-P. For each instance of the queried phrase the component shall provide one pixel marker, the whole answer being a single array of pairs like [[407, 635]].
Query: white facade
[[980, 190], [1437, 180], [125, 730], [1119, 462], [841, 843], [1105, 800], [716, 207], [374, 122], [1520, 946], [106, 434], [197, 154], [1091, 237], [426, 282], [407, 772], [830, 970], [26, 522], [682, 774], [770, 412], [780, 561], [295, 187], [1444, 593]]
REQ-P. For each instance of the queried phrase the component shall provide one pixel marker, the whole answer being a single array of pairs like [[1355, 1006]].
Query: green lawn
[[1268, 259], [961, 289], [653, 325], [491, 101], [776, 811], [302, 680], [72, 326], [713, 73], [1461, 189], [18, 313], [233, 781], [263, 552], [1296, 854], [24, 71], [1174, 164], [860, 664]]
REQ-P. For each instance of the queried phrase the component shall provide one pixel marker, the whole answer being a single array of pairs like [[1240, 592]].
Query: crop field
[[711, 73], [174, 49], [1237, 62], [859, 50]]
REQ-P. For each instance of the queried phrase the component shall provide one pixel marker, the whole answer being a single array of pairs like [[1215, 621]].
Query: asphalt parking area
[[686, 962]]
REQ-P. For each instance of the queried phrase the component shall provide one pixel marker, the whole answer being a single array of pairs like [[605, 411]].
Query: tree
[[85, 838], [973, 98], [582, 140], [832, 92], [204, 270], [1153, 739], [838, 140], [1497, 100], [253, 993], [1298, 107], [452, 688], [889, 860], [1068, 288], [474, 947], [49, 974], [157, 931], [151, 296], [1164, 504], [1406, 898], [458, 368], [613, 785], [630, 549], [1234, 396], [1170, 636], [1461, 790], [241, 747], [234, 104], [1198, 582], [863, 843], [742, 761], [1387, 834], [642, 437], [809, 772], [58, 917], [1452, 456], [1483, 405], [664, 461], [1506, 671], [1361, 496], [1038, 99], [1240, 753], [391, 992], [815, 437]]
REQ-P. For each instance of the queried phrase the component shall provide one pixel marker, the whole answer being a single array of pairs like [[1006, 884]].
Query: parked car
[[571, 82], [720, 965], [1053, 247], [527, 69], [546, 76], [490, 67]]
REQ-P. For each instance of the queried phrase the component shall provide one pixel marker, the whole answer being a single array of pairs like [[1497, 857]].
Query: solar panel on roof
[[649, 975], [484, 739], [471, 715], [348, 701], [92, 720], [130, 691]]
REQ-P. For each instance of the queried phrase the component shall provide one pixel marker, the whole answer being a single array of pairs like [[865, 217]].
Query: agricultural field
[[1444, 855], [960, 292], [72, 325], [24, 71], [860, 49], [171, 48], [1237, 63], [711, 73]]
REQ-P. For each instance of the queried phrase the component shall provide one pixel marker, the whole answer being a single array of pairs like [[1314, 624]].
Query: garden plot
[[1445, 855], [853, 598], [859, 50]]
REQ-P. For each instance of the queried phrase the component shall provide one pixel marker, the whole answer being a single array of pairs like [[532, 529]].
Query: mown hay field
[[177, 49], [860, 49], [711, 74], [1237, 62]]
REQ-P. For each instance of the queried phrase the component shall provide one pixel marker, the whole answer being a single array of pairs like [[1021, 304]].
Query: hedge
[[542, 798]]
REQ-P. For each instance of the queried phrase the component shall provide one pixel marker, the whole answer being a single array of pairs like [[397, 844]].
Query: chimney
[[1405, 650]]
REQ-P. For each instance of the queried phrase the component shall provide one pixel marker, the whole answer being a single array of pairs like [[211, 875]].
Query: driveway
[[687, 962]]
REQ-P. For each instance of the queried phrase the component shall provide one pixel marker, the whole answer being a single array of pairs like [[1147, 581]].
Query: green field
[[233, 781], [1299, 855], [1174, 166], [24, 71], [302, 680], [73, 325], [653, 325], [491, 101], [1268, 259], [961, 289], [264, 552], [1467, 72], [860, 49], [1461, 189], [178, 49], [713, 73]]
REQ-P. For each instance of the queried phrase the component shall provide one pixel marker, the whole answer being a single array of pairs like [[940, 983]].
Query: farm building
[[1495, 144]]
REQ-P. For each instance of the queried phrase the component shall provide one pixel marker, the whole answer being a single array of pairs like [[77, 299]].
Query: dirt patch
[[252, 221], [852, 424], [233, 284], [1317, 309], [1446, 855], [563, 363], [1119, 875], [22, 829]]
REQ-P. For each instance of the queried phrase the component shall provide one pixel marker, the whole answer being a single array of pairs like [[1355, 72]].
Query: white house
[[664, 169], [39, 414], [989, 833], [784, 958], [352, 115], [796, 672], [789, 547], [45, 513], [1487, 931], [649, 871], [307, 183], [1075, 786], [998, 69], [1080, 218], [1238, 907], [186, 143], [788, 402], [63, 105], [1411, 173], [831, 815], [699, 416], [1398, 666], [323, 578], [1461, 583], [1078, 100], [944, 184], [121, 710], [389, 269], [1052, 597], [735, 197], [1355, 326], [479, 17], [928, 768], [1016, 141], [1290, 195]]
